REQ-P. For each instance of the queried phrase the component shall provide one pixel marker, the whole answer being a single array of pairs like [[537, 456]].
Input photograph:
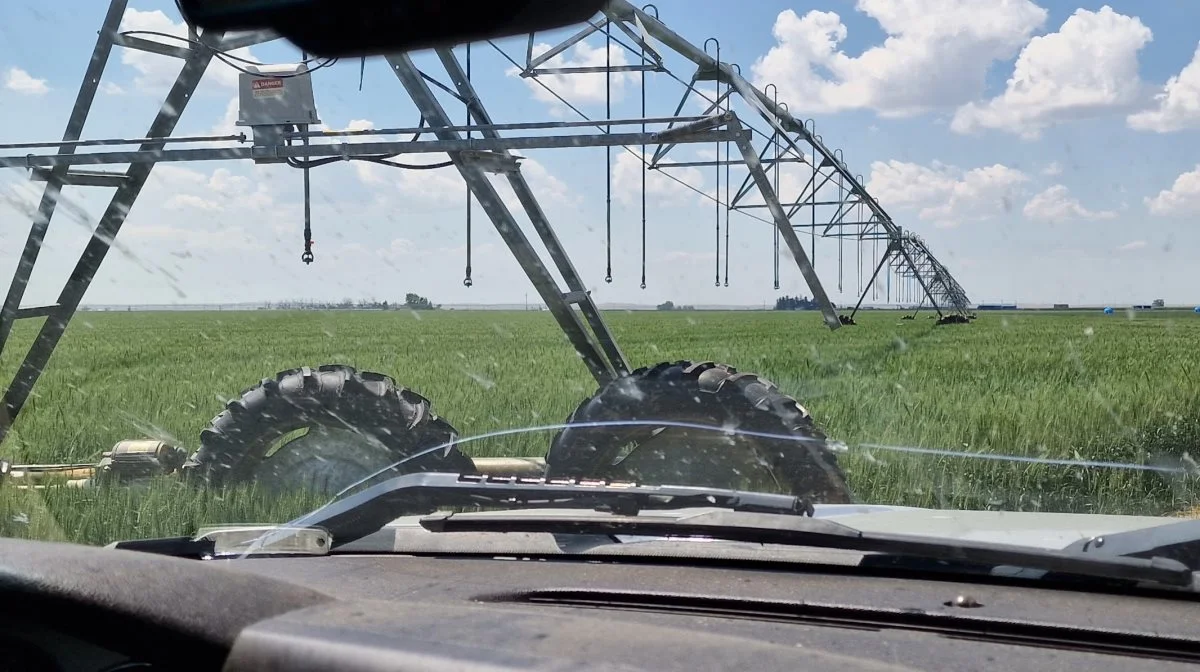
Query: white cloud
[[702, 96], [190, 239], [1088, 67], [156, 72], [1178, 103], [111, 89], [936, 54], [1183, 198], [185, 189], [704, 259], [398, 249], [430, 189], [1051, 169], [190, 212], [660, 187], [22, 82], [580, 88], [176, 176], [192, 202], [228, 123], [946, 195], [546, 187], [1132, 246], [1057, 205]]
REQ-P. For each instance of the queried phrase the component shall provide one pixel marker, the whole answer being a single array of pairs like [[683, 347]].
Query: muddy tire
[[702, 393], [378, 422]]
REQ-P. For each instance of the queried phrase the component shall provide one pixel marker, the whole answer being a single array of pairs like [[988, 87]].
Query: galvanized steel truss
[[759, 158]]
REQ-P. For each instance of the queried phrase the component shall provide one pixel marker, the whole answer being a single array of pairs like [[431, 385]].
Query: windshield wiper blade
[[761, 528], [1178, 541], [366, 512]]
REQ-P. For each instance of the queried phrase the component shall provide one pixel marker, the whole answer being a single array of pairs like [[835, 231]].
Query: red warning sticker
[[265, 88]]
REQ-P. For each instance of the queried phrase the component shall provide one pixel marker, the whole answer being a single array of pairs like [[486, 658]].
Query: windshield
[[870, 255]]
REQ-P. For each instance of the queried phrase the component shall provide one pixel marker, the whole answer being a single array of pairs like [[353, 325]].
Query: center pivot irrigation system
[[754, 135]]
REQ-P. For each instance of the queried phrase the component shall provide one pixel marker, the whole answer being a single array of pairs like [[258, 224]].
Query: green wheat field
[[1084, 386]]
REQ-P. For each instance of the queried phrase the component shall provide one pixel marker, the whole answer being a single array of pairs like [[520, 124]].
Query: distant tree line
[[796, 303], [669, 305], [411, 302]]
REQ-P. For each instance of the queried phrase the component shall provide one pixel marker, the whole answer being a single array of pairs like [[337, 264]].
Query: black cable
[[677, 79], [383, 159], [717, 279], [467, 281], [576, 110], [608, 151], [643, 84], [228, 58], [314, 163], [717, 200], [858, 255], [775, 228], [841, 238], [752, 128], [813, 231], [728, 106], [307, 255], [222, 56], [406, 166]]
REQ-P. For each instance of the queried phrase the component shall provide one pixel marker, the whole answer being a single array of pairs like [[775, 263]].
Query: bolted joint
[[500, 163]]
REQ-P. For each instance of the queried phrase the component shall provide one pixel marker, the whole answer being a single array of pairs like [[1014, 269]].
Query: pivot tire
[[357, 424], [773, 432]]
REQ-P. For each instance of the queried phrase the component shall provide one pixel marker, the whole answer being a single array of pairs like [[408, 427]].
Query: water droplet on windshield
[[485, 383]]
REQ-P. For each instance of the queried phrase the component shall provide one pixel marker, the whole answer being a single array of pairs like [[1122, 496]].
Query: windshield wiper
[[609, 508], [1178, 541], [366, 512], [356, 516], [762, 528]]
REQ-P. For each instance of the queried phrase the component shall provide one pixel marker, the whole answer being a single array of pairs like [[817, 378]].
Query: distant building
[[1158, 303], [1062, 306], [996, 306]]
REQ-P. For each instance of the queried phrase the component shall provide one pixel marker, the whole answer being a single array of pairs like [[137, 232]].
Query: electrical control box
[[274, 100], [276, 96]]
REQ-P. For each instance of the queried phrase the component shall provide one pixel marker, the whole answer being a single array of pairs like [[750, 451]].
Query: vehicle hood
[[1040, 529], [1035, 529]]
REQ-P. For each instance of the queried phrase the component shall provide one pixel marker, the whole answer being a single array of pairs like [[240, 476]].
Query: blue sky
[[1047, 151]]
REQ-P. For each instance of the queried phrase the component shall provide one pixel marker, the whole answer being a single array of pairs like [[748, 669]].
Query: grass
[[1071, 385]]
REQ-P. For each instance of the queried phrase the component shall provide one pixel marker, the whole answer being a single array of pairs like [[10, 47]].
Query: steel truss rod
[[515, 126], [54, 182], [829, 166], [784, 227], [806, 203], [240, 137], [891, 249], [540, 222], [767, 163], [296, 135], [110, 222], [558, 302], [350, 150]]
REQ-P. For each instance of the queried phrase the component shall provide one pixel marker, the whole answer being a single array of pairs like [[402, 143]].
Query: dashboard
[[79, 608]]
